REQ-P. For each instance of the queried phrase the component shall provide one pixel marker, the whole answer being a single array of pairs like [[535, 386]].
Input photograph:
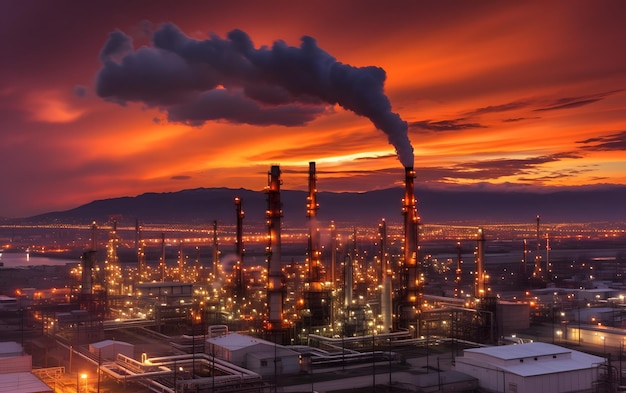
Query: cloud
[[116, 47], [281, 85], [180, 177], [493, 169], [499, 108], [575, 102], [445, 125], [615, 141], [516, 119]]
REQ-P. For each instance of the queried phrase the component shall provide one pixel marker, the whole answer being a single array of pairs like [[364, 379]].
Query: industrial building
[[15, 371], [257, 355], [532, 367]]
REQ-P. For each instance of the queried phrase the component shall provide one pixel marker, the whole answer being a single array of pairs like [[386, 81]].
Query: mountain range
[[202, 205]]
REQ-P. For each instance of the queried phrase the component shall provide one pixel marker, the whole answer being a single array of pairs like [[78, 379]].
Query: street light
[[83, 376]]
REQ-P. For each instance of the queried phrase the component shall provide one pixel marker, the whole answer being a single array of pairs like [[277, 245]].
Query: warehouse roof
[[22, 383], [530, 359], [235, 341]]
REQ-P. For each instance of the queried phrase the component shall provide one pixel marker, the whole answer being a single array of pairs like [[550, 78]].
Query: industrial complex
[[345, 314]]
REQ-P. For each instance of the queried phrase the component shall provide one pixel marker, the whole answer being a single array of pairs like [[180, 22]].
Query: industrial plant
[[170, 321]]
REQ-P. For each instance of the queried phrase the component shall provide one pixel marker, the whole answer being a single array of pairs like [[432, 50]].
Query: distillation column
[[274, 262], [411, 285]]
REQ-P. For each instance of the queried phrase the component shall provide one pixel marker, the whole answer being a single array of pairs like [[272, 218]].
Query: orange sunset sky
[[491, 94]]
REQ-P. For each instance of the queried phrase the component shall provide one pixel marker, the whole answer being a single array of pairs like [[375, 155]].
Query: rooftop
[[534, 358]]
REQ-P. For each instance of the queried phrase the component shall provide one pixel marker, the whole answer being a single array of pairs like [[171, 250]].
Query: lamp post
[[83, 376]]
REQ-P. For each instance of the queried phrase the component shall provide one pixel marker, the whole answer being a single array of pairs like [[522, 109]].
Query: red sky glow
[[517, 95]]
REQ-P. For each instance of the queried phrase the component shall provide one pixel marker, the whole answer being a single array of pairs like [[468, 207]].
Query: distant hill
[[204, 205]]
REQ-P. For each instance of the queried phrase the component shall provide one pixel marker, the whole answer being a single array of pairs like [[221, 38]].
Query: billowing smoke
[[195, 81]]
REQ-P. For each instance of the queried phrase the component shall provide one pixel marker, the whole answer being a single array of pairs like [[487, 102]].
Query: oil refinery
[[325, 297]]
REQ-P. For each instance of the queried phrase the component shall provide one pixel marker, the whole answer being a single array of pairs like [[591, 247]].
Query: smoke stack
[[181, 263], [94, 235], [385, 296], [480, 290], [216, 251], [348, 281], [239, 249], [311, 212], [333, 254], [538, 271], [162, 261], [87, 280], [411, 221], [141, 254], [274, 264], [459, 271]]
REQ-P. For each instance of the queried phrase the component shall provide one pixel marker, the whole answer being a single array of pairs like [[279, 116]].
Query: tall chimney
[[333, 254], [216, 251], [94, 235], [181, 263], [538, 271], [311, 212], [411, 272], [480, 290], [459, 271], [348, 281], [87, 278], [548, 265], [141, 253], [385, 296], [162, 261], [240, 251], [274, 264]]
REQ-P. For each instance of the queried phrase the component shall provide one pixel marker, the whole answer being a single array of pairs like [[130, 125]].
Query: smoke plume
[[195, 81]]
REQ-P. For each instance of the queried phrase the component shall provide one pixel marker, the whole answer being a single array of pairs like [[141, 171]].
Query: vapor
[[195, 81]]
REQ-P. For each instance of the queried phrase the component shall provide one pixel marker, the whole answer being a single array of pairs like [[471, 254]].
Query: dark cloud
[[180, 177], [117, 46], [499, 108], [615, 141], [516, 119], [494, 169], [445, 125], [575, 102], [185, 76]]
